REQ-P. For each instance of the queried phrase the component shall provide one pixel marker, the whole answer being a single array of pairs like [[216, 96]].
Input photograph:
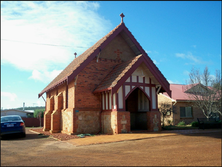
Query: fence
[[33, 122]]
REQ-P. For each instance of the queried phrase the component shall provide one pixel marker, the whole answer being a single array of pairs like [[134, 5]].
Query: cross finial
[[75, 54], [122, 15]]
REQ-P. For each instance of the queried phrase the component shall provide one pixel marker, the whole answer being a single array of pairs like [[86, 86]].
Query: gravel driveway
[[187, 150]]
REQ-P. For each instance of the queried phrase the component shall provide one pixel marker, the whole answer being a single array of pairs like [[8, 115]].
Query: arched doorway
[[138, 105]]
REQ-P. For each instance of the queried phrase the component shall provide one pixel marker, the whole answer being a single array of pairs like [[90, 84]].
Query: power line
[[44, 44]]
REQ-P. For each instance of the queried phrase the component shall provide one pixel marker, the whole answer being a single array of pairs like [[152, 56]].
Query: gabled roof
[[178, 92], [76, 63], [79, 63], [181, 92]]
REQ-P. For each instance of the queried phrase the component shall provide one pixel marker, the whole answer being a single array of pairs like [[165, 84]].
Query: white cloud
[[189, 56], [186, 72], [29, 28], [148, 51], [11, 96], [45, 76], [180, 55]]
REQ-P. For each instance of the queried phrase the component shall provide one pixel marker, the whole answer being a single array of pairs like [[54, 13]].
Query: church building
[[111, 88]]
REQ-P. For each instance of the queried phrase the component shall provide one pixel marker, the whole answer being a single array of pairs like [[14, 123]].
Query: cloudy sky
[[38, 39]]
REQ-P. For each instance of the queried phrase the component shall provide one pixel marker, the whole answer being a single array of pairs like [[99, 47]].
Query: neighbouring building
[[21, 113], [111, 88], [183, 108]]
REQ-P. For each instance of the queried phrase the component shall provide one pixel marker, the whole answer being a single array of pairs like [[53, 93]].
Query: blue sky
[[38, 39]]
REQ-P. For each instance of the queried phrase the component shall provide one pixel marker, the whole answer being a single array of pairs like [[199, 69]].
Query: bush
[[181, 123], [194, 124]]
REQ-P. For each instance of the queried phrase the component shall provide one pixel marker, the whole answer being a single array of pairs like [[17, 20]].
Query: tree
[[165, 109], [204, 91], [37, 111]]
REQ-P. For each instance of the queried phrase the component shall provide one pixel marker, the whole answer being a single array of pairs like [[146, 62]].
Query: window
[[186, 112]]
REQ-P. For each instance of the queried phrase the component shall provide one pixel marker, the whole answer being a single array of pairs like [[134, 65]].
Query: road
[[186, 150]]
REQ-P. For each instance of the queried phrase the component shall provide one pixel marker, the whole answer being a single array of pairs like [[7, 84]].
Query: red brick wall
[[150, 120], [197, 113], [123, 121], [30, 122], [118, 44], [88, 79]]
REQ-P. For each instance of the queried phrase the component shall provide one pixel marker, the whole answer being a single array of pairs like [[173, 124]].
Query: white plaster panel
[[114, 101], [106, 101], [140, 79], [147, 90], [103, 101], [133, 87], [110, 100], [134, 78], [128, 80], [153, 97], [120, 97], [141, 87], [127, 90], [147, 80]]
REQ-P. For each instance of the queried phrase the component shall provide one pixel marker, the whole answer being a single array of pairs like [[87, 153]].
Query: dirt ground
[[202, 149]]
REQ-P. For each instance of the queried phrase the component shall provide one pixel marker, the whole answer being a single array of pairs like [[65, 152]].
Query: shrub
[[194, 124], [181, 123]]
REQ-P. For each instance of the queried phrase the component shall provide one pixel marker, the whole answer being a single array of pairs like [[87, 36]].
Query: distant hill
[[30, 108]]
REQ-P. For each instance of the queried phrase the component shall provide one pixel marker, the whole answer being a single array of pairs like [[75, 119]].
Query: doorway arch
[[138, 104]]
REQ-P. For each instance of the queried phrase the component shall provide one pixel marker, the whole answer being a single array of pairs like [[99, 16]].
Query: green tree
[[37, 111]]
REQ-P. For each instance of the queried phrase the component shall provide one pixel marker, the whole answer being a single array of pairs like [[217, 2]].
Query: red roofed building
[[181, 101], [110, 88]]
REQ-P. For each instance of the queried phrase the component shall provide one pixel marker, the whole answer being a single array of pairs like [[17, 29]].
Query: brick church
[[111, 88]]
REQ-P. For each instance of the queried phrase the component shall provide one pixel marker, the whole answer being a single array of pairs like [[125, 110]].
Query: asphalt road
[[186, 150]]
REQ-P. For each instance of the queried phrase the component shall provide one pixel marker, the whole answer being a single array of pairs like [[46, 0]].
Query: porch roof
[[116, 74], [122, 71]]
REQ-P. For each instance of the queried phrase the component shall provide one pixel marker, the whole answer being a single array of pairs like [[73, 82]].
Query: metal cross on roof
[[75, 54], [122, 15]]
